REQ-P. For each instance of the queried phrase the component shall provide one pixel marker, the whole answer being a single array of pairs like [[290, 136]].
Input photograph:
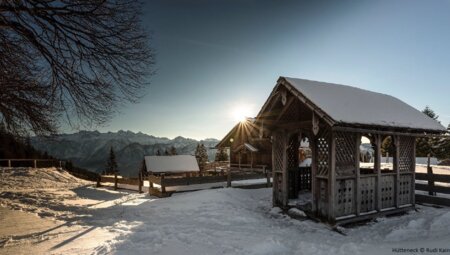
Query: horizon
[[218, 58]]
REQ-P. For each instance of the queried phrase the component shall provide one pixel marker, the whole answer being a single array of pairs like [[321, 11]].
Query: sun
[[241, 112]]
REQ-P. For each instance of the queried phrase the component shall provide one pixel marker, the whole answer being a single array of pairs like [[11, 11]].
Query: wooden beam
[[432, 200], [285, 108], [382, 132]]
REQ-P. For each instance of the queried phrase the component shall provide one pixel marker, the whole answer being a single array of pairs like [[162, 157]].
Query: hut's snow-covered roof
[[350, 105], [171, 164]]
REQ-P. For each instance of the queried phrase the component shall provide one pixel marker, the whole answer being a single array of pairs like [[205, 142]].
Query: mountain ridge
[[89, 149]]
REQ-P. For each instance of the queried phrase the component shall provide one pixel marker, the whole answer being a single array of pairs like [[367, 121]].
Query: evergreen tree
[[221, 155], [111, 164], [173, 151], [387, 147], [202, 156], [427, 145], [158, 153], [442, 149], [166, 153]]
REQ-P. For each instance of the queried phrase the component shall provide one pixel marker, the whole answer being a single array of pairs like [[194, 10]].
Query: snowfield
[[85, 220]]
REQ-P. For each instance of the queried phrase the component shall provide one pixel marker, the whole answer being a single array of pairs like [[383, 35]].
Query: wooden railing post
[[430, 177], [9, 163], [115, 181], [150, 184], [229, 178], [163, 186], [34, 163], [140, 181], [267, 176], [99, 179]]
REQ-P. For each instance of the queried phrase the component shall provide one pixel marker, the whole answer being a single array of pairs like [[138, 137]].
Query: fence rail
[[432, 188]]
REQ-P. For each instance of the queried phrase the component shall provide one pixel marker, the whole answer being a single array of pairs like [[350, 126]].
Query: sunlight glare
[[241, 112]]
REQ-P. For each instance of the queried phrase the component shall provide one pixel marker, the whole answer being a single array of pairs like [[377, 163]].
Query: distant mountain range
[[90, 149]]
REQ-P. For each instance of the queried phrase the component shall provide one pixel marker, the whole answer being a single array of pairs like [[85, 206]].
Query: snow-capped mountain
[[90, 149]]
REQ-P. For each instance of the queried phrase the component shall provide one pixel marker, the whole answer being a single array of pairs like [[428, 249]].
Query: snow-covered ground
[[86, 220]]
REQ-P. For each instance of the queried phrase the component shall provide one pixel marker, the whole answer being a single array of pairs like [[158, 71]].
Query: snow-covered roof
[[172, 164], [250, 147], [350, 105]]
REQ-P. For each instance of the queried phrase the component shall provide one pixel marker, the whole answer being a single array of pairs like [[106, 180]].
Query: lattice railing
[[278, 147], [406, 159], [292, 152], [345, 153], [323, 152]]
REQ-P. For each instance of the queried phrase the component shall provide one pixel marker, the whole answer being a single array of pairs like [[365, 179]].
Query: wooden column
[[395, 159], [314, 189], [377, 167], [358, 176], [332, 179], [229, 178], [413, 181], [430, 177], [284, 182], [274, 175]]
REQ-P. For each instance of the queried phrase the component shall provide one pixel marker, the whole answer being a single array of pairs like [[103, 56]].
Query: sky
[[218, 57]]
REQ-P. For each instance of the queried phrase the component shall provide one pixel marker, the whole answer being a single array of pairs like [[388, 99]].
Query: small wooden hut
[[247, 147], [334, 117]]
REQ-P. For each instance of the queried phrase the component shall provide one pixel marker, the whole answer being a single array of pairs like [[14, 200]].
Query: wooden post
[[115, 181], [99, 179], [9, 163], [395, 160], [274, 175], [377, 166], [266, 172], [284, 169], [430, 177], [413, 182], [239, 160], [34, 163], [163, 186], [150, 184], [229, 178], [332, 179], [358, 176], [314, 189], [140, 181]]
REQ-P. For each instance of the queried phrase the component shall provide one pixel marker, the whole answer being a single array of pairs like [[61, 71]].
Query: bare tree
[[77, 59]]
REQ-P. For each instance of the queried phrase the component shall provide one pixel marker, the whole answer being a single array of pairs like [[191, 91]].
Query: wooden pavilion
[[334, 117], [247, 147]]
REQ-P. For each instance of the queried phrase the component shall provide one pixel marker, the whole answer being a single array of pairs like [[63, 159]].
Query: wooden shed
[[334, 117]]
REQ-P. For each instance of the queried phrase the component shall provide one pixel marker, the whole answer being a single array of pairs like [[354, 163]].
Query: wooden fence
[[432, 188], [35, 163]]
